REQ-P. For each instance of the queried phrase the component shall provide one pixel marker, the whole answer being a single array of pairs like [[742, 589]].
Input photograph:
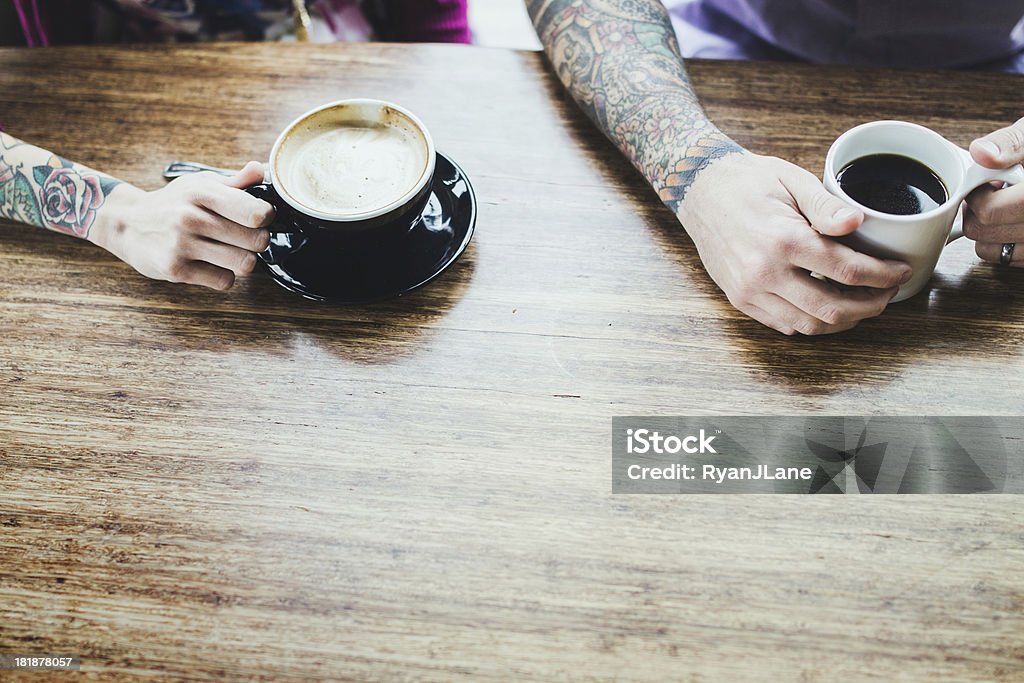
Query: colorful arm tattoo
[[42, 189], [620, 61]]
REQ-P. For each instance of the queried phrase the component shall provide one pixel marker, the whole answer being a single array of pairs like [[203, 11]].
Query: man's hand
[[994, 216], [751, 217], [200, 229], [762, 225]]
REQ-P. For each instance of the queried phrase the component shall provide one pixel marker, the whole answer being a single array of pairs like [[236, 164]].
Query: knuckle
[[892, 277], [179, 241], [1015, 138], [984, 213], [262, 216], [810, 326], [786, 248], [822, 204], [850, 272], [261, 240], [193, 217], [184, 184], [829, 313], [971, 229], [224, 282], [739, 299], [194, 192], [175, 270], [204, 177], [744, 293], [761, 272], [247, 263]]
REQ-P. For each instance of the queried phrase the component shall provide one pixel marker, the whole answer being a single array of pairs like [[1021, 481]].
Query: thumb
[[251, 174], [826, 213], [1000, 149]]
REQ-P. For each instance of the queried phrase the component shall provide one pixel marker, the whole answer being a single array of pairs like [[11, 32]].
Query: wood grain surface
[[251, 486]]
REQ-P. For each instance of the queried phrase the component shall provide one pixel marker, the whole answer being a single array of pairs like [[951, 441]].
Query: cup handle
[[978, 175], [286, 220], [958, 227]]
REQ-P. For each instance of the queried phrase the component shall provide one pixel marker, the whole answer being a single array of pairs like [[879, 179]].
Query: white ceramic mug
[[917, 239]]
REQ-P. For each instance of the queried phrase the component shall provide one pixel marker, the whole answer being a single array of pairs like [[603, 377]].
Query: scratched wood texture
[[251, 486]]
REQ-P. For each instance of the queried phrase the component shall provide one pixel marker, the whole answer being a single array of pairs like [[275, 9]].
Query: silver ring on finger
[[1006, 254]]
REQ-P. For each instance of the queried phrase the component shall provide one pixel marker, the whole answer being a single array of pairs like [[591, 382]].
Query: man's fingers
[[235, 205], [991, 251], [826, 213], [842, 264], [975, 230], [204, 274], [997, 207], [831, 306], [789, 316], [768, 320], [1001, 149]]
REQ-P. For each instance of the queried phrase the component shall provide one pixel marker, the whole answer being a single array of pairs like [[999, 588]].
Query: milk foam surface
[[354, 168]]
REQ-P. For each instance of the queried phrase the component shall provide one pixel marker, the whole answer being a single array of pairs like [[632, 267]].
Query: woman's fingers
[[202, 273], [219, 229], [234, 204], [238, 261]]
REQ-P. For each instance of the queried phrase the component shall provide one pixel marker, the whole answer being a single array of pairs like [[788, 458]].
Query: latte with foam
[[351, 168]]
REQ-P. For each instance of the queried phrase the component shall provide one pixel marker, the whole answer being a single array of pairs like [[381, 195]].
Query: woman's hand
[[200, 229]]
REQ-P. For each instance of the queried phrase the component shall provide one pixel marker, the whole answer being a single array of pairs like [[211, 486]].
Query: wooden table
[[248, 485]]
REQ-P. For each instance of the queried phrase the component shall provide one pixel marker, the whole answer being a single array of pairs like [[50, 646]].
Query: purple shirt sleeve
[[920, 34]]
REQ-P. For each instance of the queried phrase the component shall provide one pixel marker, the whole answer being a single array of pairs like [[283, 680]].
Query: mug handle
[[978, 175], [287, 220]]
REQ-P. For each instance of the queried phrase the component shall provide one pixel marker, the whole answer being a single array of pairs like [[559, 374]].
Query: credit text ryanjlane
[[718, 474]]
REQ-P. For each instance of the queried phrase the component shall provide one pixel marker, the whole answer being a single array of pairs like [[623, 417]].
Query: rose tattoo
[[69, 200]]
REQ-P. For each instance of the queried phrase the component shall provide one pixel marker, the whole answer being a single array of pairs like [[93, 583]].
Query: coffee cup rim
[[953, 197], [425, 177]]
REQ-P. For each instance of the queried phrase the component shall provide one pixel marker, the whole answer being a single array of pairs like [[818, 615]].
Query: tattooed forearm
[[621, 63], [42, 189]]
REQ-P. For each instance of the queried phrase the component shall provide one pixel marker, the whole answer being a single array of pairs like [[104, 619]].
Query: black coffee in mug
[[892, 183]]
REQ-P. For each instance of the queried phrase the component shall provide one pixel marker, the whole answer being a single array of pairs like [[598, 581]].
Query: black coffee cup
[[390, 218]]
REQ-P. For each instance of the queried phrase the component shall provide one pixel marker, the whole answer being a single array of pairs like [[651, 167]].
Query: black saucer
[[344, 270]]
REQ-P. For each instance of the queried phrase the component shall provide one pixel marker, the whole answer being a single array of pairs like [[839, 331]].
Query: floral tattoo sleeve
[[621, 63], [42, 189]]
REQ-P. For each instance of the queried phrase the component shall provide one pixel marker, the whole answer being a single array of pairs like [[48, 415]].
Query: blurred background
[[502, 23]]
